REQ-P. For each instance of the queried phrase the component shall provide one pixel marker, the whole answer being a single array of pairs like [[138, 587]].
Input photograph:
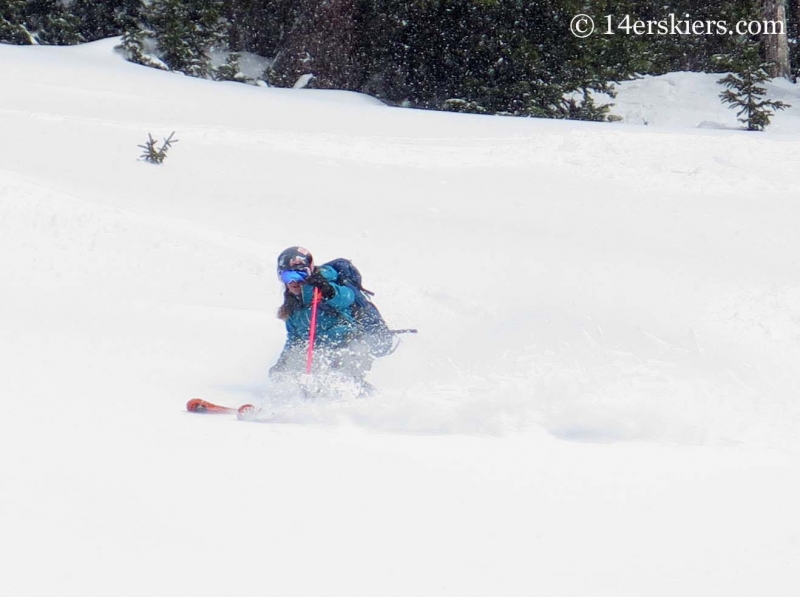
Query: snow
[[686, 99], [601, 400]]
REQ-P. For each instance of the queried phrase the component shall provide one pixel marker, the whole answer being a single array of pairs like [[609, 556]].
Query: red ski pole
[[312, 331]]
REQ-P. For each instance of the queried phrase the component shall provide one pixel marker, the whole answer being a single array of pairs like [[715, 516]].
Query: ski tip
[[246, 412], [195, 405]]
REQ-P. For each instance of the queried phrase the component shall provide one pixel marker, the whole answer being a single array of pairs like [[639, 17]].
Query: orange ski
[[246, 412], [196, 405]]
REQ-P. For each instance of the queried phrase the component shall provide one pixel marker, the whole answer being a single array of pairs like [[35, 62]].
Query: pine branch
[[154, 154]]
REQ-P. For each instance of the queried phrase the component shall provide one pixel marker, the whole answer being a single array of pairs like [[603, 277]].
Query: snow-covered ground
[[602, 399]]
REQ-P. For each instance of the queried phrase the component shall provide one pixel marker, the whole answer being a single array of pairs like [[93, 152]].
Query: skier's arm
[[343, 298], [335, 296]]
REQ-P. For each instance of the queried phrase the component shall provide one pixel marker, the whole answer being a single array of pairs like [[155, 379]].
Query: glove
[[319, 281]]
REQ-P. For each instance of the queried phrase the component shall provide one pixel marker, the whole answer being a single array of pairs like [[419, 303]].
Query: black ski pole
[[406, 331]]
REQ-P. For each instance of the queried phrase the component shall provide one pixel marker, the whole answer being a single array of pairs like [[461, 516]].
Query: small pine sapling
[[231, 71], [586, 108], [745, 91], [154, 154]]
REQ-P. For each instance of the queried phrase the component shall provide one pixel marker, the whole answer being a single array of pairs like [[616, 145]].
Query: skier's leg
[[292, 362], [355, 361]]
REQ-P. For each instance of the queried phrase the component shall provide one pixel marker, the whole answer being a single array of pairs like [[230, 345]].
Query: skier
[[336, 345]]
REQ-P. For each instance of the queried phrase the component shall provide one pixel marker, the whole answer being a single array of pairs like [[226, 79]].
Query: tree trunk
[[776, 45]]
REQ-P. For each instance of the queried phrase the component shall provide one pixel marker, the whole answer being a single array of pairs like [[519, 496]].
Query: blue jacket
[[335, 324]]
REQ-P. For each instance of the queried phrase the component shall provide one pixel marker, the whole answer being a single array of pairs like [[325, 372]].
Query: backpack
[[370, 325]]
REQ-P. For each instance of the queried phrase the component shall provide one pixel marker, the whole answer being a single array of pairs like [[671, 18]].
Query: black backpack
[[371, 327]]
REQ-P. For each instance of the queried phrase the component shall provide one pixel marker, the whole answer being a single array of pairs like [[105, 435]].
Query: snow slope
[[602, 398]]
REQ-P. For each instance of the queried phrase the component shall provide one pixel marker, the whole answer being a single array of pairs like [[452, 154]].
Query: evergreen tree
[[154, 154], [661, 53], [50, 23], [100, 20], [488, 56], [230, 71], [485, 56], [261, 26], [134, 45], [12, 27], [321, 42], [745, 90], [185, 31], [135, 35]]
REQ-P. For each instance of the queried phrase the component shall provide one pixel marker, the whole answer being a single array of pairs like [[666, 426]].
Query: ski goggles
[[288, 276]]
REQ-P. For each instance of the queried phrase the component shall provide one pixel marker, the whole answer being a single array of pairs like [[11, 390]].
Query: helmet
[[295, 258]]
